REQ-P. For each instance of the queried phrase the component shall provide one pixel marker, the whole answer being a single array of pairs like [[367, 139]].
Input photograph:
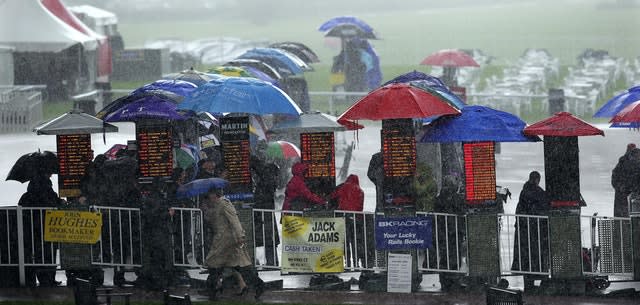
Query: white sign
[[399, 273]]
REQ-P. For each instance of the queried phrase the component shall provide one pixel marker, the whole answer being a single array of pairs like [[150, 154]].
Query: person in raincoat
[[297, 195], [228, 246], [621, 181], [375, 172], [265, 177], [350, 197], [527, 256], [39, 193]]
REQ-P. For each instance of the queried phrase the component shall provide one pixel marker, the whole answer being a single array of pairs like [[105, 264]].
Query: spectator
[[621, 180], [297, 196], [265, 181], [350, 197]]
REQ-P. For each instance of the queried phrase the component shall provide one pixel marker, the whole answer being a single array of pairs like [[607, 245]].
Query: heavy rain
[[249, 150]]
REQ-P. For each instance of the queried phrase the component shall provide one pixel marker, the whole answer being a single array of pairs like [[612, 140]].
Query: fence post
[[20, 228], [635, 248]]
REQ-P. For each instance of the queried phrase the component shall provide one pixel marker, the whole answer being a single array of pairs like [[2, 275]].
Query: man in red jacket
[[350, 197], [297, 196]]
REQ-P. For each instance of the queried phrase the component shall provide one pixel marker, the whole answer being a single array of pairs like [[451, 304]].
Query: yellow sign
[[76, 227], [313, 244]]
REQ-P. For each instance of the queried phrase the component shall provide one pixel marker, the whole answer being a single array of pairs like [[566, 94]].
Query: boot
[[212, 282], [250, 275]]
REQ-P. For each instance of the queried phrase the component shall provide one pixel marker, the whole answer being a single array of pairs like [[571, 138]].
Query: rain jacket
[[533, 200], [297, 190], [349, 195], [225, 249]]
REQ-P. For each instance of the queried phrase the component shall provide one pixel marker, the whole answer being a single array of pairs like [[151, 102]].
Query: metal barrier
[[607, 248], [121, 240], [188, 238], [360, 252], [524, 244], [267, 230], [449, 251]]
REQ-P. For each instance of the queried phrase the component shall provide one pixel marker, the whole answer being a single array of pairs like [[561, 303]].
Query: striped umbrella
[[282, 150]]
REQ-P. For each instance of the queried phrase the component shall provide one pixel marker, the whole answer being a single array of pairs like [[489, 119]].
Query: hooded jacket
[[349, 195], [297, 190]]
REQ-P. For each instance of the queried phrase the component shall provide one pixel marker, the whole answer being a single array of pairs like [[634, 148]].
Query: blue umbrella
[[240, 95], [149, 107], [342, 20], [414, 76], [179, 87], [200, 186], [274, 57], [618, 102], [193, 76], [128, 99], [261, 75], [476, 124], [441, 92]]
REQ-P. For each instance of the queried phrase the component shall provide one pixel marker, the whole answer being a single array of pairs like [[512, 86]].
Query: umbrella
[[200, 186], [191, 75], [276, 52], [74, 122], [450, 58], [179, 87], [111, 152], [307, 123], [254, 63], [628, 117], [282, 150], [302, 51], [184, 157], [417, 76], [477, 124], [397, 101], [240, 95], [131, 98], [261, 75], [441, 92], [32, 164], [344, 26], [151, 107], [284, 63], [230, 71], [618, 102], [563, 124]]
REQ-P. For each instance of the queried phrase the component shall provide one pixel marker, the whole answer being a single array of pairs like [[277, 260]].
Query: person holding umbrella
[[228, 245]]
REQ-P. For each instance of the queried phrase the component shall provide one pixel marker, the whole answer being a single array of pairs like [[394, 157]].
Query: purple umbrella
[[149, 107], [179, 87]]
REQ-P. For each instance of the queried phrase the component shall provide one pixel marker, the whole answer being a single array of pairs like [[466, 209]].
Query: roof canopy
[[74, 122], [563, 124], [29, 26]]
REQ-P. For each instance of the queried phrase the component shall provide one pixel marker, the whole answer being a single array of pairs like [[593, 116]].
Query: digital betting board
[[398, 148], [480, 171], [74, 154], [234, 137], [318, 151], [155, 151]]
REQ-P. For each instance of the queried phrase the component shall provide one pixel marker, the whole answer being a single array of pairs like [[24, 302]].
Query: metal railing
[[360, 253], [121, 240], [449, 244], [607, 247], [187, 237], [524, 244]]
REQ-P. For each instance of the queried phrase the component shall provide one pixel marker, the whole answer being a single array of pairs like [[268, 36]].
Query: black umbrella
[[32, 164], [299, 49]]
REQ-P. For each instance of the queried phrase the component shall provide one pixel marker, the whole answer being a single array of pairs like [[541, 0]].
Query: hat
[[631, 146]]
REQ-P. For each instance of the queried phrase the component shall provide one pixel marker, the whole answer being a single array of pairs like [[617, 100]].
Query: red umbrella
[[450, 58], [562, 124], [629, 116], [397, 101]]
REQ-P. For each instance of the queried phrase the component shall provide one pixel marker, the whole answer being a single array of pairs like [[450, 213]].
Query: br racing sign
[[403, 233]]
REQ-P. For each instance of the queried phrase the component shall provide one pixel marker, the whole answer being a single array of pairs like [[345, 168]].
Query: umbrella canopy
[[111, 152], [32, 164], [563, 124], [628, 117], [477, 124], [416, 76], [184, 157], [347, 26], [74, 122], [441, 92], [230, 71], [618, 102], [450, 58], [257, 64], [280, 59], [397, 101], [179, 87], [240, 95], [282, 150], [150, 107], [261, 75], [309, 122], [302, 51], [131, 98], [199, 187], [193, 76]]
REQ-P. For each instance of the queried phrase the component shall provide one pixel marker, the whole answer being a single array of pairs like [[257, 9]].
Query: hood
[[353, 179], [299, 169]]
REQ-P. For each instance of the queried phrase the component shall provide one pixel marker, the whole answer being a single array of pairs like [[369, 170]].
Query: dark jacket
[[533, 200], [265, 182], [40, 193]]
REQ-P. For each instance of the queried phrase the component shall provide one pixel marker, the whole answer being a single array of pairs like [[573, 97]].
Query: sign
[[403, 233], [399, 272], [74, 154], [155, 151], [318, 151], [313, 244], [398, 153], [234, 135], [78, 227], [480, 172]]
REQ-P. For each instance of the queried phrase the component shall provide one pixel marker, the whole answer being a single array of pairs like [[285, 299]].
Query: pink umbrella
[[629, 116], [450, 58]]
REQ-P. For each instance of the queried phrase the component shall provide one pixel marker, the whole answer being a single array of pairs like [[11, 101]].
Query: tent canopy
[[29, 26], [563, 124], [98, 16], [74, 122]]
